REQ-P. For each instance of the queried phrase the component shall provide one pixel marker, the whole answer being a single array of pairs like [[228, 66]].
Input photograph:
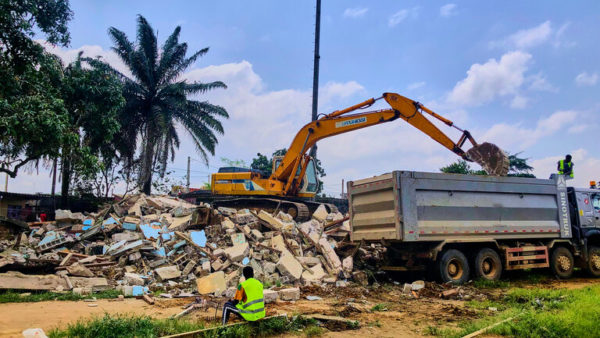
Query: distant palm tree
[[157, 99]]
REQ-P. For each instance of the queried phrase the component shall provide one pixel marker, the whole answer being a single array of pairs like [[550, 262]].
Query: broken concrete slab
[[320, 214], [211, 283], [237, 253], [270, 296], [330, 255], [133, 279], [289, 266], [79, 270], [168, 272], [17, 281], [274, 223], [291, 294], [317, 273]]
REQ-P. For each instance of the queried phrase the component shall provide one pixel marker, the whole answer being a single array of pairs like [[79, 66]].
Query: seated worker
[[248, 302]]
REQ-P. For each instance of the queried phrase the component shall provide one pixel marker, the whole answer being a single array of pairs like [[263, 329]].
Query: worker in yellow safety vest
[[565, 167], [248, 302]]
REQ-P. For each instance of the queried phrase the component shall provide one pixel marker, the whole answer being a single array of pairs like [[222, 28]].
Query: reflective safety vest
[[561, 167], [254, 307]]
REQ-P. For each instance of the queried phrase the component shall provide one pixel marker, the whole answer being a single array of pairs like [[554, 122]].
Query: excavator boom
[[490, 157]]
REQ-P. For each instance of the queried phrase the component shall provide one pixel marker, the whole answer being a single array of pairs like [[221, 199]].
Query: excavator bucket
[[491, 158]]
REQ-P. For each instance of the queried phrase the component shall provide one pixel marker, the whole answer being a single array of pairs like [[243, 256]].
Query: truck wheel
[[593, 265], [453, 267], [488, 264], [562, 262]]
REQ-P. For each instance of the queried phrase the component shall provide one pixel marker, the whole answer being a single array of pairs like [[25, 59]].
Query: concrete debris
[[270, 296], [289, 267], [160, 243], [291, 294], [211, 283], [168, 272]]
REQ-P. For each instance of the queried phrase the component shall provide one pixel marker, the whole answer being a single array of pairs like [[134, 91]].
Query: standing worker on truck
[[565, 167], [248, 302]]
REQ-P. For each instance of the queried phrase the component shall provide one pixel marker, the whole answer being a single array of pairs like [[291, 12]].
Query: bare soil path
[[404, 316]]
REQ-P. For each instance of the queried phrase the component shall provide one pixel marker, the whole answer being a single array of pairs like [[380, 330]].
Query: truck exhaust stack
[[491, 158]]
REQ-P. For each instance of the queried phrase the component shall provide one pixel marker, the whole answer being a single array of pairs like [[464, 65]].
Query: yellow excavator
[[293, 181]]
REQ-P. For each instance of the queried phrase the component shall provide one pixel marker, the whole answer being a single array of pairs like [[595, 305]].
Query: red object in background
[[43, 217]]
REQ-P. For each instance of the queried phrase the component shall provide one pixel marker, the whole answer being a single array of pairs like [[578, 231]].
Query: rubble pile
[[148, 243]]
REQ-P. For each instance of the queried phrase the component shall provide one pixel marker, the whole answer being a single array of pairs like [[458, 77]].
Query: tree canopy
[[34, 122], [157, 100], [518, 167]]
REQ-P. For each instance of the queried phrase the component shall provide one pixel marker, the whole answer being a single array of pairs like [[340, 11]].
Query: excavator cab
[[309, 183]]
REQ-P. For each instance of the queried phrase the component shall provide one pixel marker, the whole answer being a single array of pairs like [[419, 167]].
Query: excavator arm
[[293, 165]]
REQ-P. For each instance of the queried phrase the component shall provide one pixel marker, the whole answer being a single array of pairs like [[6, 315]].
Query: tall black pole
[[315, 96]]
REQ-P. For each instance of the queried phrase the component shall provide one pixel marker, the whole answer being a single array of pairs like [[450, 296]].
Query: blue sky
[[522, 74]]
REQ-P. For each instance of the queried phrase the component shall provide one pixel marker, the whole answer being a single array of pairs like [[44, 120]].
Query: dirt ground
[[404, 315]]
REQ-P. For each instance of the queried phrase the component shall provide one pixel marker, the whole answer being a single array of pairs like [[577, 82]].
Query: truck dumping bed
[[417, 206]]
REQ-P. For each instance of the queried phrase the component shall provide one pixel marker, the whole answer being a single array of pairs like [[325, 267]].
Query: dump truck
[[461, 227]]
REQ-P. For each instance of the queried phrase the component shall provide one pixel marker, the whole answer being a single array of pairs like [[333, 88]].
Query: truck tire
[[593, 264], [562, 262], [488, 264], [453, 267]]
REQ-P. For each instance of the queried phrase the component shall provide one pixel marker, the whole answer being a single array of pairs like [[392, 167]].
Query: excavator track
[[298, 210]]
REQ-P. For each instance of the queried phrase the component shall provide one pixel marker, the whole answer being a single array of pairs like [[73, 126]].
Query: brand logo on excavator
[[351, 122]]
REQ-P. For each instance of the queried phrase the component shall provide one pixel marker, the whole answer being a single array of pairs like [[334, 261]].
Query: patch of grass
[[16, 297], [125, 326], [491, 284], [538, 313], [278, 283], [379, 307], [144, 326], [314, 331], [376, 323]]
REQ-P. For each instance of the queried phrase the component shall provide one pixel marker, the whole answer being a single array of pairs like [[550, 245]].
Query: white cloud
[[448, 10], [69, 55], [538, 82], [485, 82], [519, 102], [356, 12], [516, 137], [526, 38], [402, 15], [532, 37], [585, 79], [585, 167], [415, 85]]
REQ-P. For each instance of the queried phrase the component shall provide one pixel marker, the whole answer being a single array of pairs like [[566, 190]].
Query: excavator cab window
[[311, 177]]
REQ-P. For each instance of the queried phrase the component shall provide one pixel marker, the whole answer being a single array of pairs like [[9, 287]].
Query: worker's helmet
[[568, 157]]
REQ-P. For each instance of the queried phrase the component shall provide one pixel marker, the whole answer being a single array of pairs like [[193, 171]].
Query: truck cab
[[585, 214]]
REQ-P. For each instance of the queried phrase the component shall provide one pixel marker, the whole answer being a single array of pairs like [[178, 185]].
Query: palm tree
[[157, 100]]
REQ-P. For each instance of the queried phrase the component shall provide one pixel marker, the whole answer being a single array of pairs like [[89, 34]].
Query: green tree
[[93, 97], [263, 163], [157, 98], [33, 120], [518, 167]]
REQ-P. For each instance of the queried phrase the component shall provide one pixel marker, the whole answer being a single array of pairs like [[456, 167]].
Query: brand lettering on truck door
[[346, 123], [564, 213]]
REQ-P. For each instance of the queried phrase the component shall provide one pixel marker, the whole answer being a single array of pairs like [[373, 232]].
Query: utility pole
[[315, 96], [188, 174], [53, 184], [342, 188], [6, 183]]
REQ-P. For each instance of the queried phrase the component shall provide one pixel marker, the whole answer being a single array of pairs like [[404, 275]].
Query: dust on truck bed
[[413, 206]]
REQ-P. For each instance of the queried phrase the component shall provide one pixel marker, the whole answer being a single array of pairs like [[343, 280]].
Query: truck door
[[586, 211], [596, 209]]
